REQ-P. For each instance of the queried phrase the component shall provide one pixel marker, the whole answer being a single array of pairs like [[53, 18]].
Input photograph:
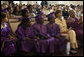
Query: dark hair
[[24, 23], [50, 18], [57, 11], [29, 6], [9, 8], [23, 12], [3, 15]]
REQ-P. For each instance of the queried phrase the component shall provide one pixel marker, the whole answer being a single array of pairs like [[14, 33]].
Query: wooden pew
[[14, 23]]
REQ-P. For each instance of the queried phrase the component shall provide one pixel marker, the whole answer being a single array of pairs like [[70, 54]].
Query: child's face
[[59, 14], [72, 14], [41, 21], [52, 20]]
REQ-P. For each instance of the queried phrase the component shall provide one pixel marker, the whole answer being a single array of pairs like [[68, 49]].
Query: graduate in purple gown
[[76, 24], [46, 42], [25, 35], [8, 46], [54, 31]]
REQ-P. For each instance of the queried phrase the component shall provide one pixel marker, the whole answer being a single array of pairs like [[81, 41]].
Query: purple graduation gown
[[77, 27], [44, 44], [55, 31], [22, 34], [9, 44]]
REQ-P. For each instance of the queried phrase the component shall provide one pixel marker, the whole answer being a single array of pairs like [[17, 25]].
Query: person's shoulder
[[64, 20], [56, 19], [47, 24], [55, 24], [6, 23], [34, 24]]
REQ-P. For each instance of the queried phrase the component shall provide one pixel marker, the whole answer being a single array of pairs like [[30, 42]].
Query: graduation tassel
[[3, 45]]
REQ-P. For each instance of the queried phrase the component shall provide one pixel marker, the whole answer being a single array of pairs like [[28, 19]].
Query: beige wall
[[76, 2], [66, 2], [52, 2], [4, 2]]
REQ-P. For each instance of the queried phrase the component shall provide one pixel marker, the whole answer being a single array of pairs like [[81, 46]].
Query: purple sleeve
[[19, 33], [73, 24], [34, 30], [9, 29], [32, 33]]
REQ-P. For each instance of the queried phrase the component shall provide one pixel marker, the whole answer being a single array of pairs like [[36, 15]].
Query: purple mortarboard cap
[[50, 15], [25, 9], [39, 17], [39, 13]]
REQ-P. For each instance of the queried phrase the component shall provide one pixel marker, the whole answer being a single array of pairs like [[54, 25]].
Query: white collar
[[4, 26]]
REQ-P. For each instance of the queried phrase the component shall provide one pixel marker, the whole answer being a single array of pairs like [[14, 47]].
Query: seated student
[[45, 41], [76, 25], [25, 36], [8, 40], [25, 14], [68, 33], [54, 31]]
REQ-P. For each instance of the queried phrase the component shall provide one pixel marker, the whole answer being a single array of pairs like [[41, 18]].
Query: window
[[16, 2], [39, 2]]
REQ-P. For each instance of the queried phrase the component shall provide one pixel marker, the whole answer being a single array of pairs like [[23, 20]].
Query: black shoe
[[72, 52]]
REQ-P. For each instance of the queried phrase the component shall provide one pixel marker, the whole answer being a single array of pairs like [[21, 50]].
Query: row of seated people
[[69, 22], [44, 38]]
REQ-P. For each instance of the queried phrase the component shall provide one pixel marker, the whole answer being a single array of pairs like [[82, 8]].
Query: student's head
[[25, 13], [25, 23], [72, 13], [51, 18], [58, 13], [39, 19], [4, 17]]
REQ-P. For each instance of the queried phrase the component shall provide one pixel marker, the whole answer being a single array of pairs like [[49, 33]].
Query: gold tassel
[[3, 45]]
